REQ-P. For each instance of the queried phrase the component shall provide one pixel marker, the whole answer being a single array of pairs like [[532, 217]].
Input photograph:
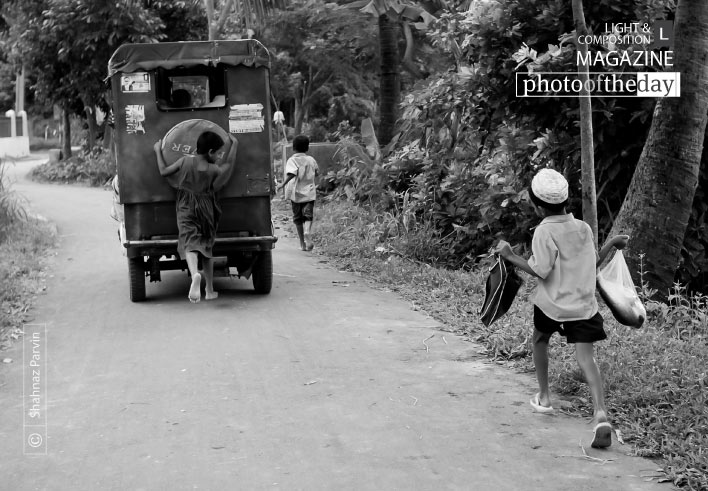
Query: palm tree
[[390, 78], [658, 204], [391, 14]]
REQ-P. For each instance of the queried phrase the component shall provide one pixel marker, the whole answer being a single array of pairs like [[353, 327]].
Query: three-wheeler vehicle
[[172, 92]]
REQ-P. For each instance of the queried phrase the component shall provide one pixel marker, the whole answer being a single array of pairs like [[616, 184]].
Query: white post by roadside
[[13, 122]]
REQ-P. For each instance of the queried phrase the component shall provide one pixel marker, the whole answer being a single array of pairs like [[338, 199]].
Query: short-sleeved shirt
[[302, 188], [564, 258]]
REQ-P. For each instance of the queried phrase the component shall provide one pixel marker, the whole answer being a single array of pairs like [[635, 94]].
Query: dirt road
[[325, 384]]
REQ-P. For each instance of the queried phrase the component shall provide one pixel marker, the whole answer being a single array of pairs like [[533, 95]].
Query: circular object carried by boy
[[181, 139]]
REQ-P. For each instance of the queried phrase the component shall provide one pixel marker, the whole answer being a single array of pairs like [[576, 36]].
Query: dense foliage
[[65, 46], [94, 168], [468, 145], [324, 65]]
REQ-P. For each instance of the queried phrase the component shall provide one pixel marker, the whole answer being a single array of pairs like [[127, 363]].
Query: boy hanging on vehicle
[[301, 170], [198, 178], [564, 260]]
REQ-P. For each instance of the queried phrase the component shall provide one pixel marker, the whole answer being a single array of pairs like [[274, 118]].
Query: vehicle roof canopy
[[130, 58]]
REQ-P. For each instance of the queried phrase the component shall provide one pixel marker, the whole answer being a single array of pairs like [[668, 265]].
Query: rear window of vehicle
[[194, 88]]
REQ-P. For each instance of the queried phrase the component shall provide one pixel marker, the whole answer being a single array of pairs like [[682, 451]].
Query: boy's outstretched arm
[[289, 178], [165, 170], [504, 250], [618, 242], [226, 167]]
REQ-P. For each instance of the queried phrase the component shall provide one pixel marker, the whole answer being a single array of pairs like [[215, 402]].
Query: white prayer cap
[[550, 186]]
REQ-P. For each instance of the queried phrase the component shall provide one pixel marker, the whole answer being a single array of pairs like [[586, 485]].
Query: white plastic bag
[[617, 290]]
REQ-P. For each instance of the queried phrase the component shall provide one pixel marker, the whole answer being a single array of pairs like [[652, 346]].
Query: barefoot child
[[301, 170], [198, 212], [564, 260]]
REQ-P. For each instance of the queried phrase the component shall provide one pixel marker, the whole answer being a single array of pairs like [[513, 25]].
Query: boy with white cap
[[564, 260]]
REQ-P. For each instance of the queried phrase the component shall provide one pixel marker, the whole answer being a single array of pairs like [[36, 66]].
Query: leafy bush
[[461, 208], [11, 208], [94, 168]]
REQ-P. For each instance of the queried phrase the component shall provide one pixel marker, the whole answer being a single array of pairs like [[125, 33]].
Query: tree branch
[[209, 7], [407, 61]]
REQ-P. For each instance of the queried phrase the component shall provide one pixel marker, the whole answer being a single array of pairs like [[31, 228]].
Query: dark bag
[[503, 284]]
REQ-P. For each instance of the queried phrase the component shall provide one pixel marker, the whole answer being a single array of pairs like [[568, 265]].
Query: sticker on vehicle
[[135, 119], [246, 118], [135, 82]]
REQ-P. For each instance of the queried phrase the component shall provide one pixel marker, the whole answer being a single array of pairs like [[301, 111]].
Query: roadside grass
[[22, 259], [93, 168], [655, 377], [24, 242]]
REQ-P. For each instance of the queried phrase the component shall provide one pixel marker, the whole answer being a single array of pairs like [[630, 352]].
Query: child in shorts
[[564, 260], [301, 188]]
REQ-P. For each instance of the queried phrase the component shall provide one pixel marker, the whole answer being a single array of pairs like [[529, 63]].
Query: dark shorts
[[582, 331], [303, 212]]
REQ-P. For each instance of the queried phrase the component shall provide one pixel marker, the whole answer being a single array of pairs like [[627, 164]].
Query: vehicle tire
[[136, 272], [263, 272]]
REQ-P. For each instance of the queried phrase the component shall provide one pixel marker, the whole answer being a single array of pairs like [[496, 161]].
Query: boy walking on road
[[564, 260], [301, 170]]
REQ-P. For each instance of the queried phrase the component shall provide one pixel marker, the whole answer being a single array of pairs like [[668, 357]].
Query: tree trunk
[[211, 22], [20, 91], [66, 134], [390, 84], [657, 207], [92, 127], [299, 115], [587, 147]]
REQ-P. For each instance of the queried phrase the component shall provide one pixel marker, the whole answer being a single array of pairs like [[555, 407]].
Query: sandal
[[536, 405]]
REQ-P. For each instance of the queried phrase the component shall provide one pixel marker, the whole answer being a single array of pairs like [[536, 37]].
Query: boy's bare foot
[[308, 243], [602, 430], [211, 295], [195, 294], [602, 435]]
